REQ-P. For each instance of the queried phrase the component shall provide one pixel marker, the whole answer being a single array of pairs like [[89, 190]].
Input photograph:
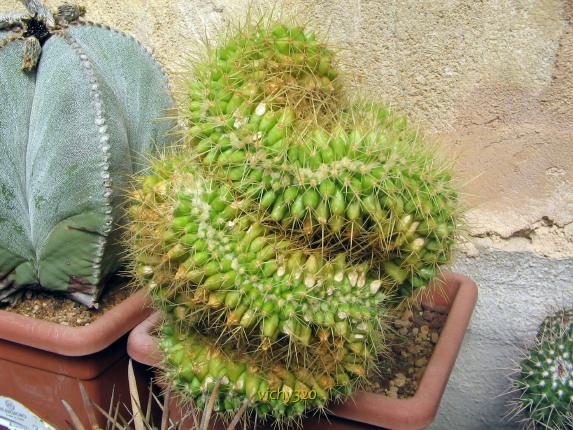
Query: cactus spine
[[216, 271], [356, 179], [75, 126]]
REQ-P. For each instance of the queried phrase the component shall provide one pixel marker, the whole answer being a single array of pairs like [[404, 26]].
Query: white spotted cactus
[[77, 121], [544, 380]]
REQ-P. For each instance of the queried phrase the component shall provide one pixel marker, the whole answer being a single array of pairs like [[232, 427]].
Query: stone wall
[[493, 83]]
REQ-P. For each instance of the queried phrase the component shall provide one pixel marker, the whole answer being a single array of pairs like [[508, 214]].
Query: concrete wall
[[493, 81], [517, 289]]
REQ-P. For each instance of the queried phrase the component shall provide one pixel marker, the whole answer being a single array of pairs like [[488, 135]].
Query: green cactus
[[256, 79], [79, 102], [545, 377], [215, 270], [285, 391], [354, 179], [273, 237]]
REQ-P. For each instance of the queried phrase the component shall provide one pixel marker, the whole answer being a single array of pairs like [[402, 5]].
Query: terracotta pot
[[42, 362], [368, 410]]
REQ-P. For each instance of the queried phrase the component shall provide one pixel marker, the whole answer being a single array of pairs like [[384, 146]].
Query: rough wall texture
[[493, 81], [516, 291]]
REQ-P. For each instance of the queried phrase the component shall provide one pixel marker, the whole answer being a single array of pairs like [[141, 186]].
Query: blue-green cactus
[[545, 378], [80, 102]]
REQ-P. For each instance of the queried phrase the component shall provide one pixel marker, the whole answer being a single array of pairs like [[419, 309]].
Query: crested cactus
[[544, 381], [76, 124], [215, 270], [353, 179], [273, 238], [368, 187]]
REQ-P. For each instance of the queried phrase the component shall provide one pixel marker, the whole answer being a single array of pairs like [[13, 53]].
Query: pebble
[[435, 337], [420, 362], [406, 315], [438, 321], [413, 349], [392, 391], [418, 320], [399, 380], [402, 323], [427, 315]]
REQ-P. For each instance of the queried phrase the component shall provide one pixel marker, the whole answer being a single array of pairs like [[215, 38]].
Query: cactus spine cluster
[[273, 237], [545, 377], [74, 127]]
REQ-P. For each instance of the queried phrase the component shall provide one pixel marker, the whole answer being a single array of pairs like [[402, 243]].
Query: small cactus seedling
[[79, 102], [544, 380]]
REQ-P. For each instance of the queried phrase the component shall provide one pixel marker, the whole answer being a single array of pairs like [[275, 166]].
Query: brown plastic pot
[[42, 362], [368, 410]]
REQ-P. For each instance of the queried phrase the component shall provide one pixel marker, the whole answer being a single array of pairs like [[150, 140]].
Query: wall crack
[[545, 237]]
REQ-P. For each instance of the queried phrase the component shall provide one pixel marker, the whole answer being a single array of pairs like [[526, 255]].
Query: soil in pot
[[58, 308], [415, 334]]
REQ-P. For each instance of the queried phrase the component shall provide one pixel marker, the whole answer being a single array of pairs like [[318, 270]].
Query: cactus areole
[[77, 121]]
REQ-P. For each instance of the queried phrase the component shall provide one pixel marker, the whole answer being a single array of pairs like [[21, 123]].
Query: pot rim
[[76, 341], [461, 295]]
